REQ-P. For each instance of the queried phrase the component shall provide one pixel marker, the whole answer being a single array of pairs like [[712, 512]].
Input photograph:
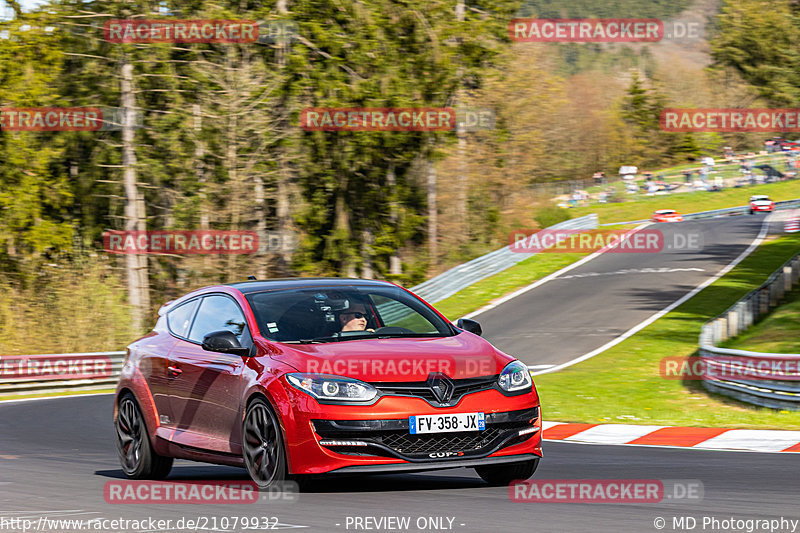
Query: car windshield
[[339, 313], [758, 198]]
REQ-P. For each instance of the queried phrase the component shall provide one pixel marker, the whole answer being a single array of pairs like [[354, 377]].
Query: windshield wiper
[[401, 335], [368, 335], [318, 340]]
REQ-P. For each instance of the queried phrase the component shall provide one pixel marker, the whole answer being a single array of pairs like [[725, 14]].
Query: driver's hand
[[370, 329]]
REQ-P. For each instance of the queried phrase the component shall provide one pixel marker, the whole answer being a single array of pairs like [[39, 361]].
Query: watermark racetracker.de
[[602, 30], [149, 31], [396, 119], [612, 241], [181, 242], [223, 492], [54, 367], [767, 367], [606, 490], [452, 366], [65, 119], [727, 120]]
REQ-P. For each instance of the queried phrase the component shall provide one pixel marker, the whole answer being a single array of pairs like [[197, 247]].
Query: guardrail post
[[780, 284], [773, 293], [722, 328], [742, 310], [787, 279], [749, 306], [733, 324], [763, 301], [796, 270]]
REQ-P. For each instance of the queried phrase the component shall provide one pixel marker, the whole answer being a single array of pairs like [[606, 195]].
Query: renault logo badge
[[441, 386]]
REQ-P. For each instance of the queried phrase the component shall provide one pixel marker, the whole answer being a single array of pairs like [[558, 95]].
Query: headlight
[[336, 388], [515, 377]]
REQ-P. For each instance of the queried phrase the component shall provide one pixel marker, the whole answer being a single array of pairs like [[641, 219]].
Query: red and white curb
[[754, 440]]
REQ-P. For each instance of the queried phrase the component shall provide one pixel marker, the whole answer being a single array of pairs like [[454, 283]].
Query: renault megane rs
[[322, 376]]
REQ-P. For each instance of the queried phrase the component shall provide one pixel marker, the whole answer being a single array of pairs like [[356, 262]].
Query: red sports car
[[761, 202], [667, 215], [322, 376]]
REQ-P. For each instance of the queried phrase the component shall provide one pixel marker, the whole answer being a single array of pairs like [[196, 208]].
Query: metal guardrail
[[31, 375], [765, 391], [457, 278]]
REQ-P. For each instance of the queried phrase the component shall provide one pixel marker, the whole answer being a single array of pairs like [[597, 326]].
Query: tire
[[500, 475], [136, 455], [262, 445], [752, 212]]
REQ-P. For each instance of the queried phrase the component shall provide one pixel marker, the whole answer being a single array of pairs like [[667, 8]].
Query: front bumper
[[391, 438], [375, 438]]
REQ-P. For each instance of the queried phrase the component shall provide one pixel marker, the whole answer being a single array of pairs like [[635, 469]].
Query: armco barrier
[[457, 278], [35, 383], [777, 394]]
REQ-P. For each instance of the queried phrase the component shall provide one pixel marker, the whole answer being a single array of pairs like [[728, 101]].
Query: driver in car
[[355, 318]]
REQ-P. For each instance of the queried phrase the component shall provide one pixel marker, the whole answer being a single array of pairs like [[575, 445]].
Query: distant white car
[[667, 215], [761, 202]]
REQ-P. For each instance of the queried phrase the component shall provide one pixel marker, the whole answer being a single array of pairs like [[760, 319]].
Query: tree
[[759, 40]]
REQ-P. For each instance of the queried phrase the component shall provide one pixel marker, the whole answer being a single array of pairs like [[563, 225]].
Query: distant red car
[[761, 203], [322, 376], [667, 215]]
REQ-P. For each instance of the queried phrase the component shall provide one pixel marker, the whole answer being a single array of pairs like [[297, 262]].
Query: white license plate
[[446, 423]]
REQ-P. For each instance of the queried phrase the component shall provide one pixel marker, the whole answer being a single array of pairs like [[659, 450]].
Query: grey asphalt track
[[57, 455], [596, 302]]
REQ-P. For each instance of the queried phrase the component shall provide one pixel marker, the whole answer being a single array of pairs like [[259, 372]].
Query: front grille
[[391, 438], [422, 389]]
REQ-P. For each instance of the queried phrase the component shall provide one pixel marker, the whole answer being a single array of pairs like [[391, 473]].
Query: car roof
[[665, 211], [759, 197], [246, 287]]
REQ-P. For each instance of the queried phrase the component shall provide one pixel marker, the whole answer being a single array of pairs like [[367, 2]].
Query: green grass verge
[[623, 384], [4, 397], [642, 207], [779, 332]]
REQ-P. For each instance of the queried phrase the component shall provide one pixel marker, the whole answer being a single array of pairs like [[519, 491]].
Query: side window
[[218, 312], [180, 318], [398, 314]]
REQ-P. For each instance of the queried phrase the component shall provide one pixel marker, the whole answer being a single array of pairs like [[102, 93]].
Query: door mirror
[[224, 341], [469, 325]]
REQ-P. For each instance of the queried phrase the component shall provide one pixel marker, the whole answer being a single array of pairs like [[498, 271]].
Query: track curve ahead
[[592, 304]]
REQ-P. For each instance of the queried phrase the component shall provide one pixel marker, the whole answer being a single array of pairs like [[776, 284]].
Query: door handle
[[173, 372]]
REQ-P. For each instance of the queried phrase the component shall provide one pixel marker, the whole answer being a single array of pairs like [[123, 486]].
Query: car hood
[[394, 360]]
